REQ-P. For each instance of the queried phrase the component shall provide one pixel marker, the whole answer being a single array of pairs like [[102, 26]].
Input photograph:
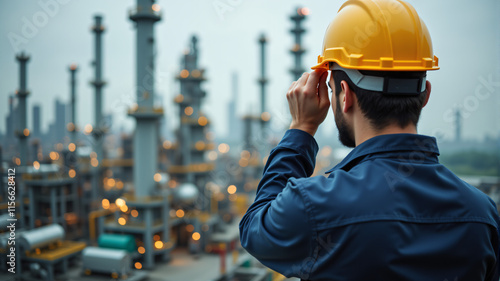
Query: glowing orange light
[[134, 213], [122, 221], [303, 11], [120, 202], [231, 189], [190, 228], [158, 244], [26, 132], [167, 144], [70, 126], [36, 165], [71, 147], [119, 184], [212, 155], [188, 111], [223, 148], [53, 155], [202, 121], [88, 129], [184, 73], [141, 250], [18, 161], [200, 145], [243, 162], [265, 116], [105, 203], [155, 7], [245, 154], [156, 237], [179, 213], [111, 182], [172, 183], [138, 265], [179, 98], [157, 177], [71, 173], [94, 162], [196, 236]]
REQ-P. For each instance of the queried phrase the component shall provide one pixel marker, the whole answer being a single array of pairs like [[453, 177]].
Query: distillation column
[[297, 50], [22, 130], [99, 126], [145, 16], [72, 125], [264, 115]]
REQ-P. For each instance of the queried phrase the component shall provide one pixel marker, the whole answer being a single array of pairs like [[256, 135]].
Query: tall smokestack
[[72, 124], [264, 115], [22, 94], [145, 15], [298, 31], [98, 83]]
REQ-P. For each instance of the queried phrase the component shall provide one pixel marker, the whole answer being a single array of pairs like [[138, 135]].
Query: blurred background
[[143, 126]]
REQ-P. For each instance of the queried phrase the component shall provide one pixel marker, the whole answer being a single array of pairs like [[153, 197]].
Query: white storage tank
[[105, 260]]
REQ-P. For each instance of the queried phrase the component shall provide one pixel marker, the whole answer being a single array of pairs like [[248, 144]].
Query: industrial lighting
[[212, 155], [36, 165], [94, 162], [188, 111], [119, 184], [122, 221], [119, 202], [88, 129], [167, 144], [179, 98], [105, 203], [141, 250], [156, 7], [72, 173], [157, 177], [196, 236], [202, 121], [223, 148], [138, 265], [303, 11], [179, 213], [111, 182], [70, 126], [231, 189], [156, 237], [71, 147], [245, 154], [243, 162], [200, 145], [189, 228], [184, 73], [158, 244], [124, 208], [26, 132], [134, 213], [265, 116]]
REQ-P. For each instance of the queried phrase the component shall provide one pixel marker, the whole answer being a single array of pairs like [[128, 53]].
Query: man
[[389, 210]]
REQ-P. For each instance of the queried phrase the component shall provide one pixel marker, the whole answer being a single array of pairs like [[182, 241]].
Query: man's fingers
[[303, 79], [323, 89], [311, 86]]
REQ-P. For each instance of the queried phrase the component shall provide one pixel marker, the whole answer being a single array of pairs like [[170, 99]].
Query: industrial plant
[[90, 204], [83, 202]]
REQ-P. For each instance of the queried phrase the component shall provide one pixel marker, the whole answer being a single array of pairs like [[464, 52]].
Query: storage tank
[[106, 260], [117, 241], [42, 236]]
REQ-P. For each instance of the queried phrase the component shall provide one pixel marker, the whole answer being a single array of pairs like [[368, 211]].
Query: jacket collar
[[389, 143]]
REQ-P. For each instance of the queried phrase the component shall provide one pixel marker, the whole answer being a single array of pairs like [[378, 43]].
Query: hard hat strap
[[385, 84]]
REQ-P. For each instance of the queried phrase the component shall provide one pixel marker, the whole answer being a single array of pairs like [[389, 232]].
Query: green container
[[117, 241]]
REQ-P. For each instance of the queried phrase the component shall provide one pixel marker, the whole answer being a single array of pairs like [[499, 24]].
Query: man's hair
[[384, 109]]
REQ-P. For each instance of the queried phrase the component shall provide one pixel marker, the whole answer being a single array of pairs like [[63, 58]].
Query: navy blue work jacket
[[388, 211]]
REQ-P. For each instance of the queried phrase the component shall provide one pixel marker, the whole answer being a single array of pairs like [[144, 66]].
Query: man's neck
[[366, 132]]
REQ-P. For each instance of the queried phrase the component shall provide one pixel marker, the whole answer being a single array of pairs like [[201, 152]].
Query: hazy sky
[[465, 36]]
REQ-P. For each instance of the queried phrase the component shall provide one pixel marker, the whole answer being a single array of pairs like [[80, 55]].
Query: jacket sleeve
[[277, 228]]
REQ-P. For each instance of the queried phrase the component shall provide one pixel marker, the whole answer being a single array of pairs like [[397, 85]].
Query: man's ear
[[428, 92], [349, 96]]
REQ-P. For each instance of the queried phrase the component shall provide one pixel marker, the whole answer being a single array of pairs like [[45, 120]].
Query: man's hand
[[308, 101]]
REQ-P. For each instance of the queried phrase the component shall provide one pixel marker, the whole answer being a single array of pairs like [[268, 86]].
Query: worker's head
[[378, 109], [379, 52]]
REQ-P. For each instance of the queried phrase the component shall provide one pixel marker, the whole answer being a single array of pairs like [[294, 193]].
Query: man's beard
[[346, 135]]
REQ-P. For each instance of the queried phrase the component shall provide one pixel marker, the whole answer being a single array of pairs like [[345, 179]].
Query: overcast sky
[[465, 36]]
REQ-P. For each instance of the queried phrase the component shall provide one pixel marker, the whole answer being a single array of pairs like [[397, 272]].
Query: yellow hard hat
[[379, 35]]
